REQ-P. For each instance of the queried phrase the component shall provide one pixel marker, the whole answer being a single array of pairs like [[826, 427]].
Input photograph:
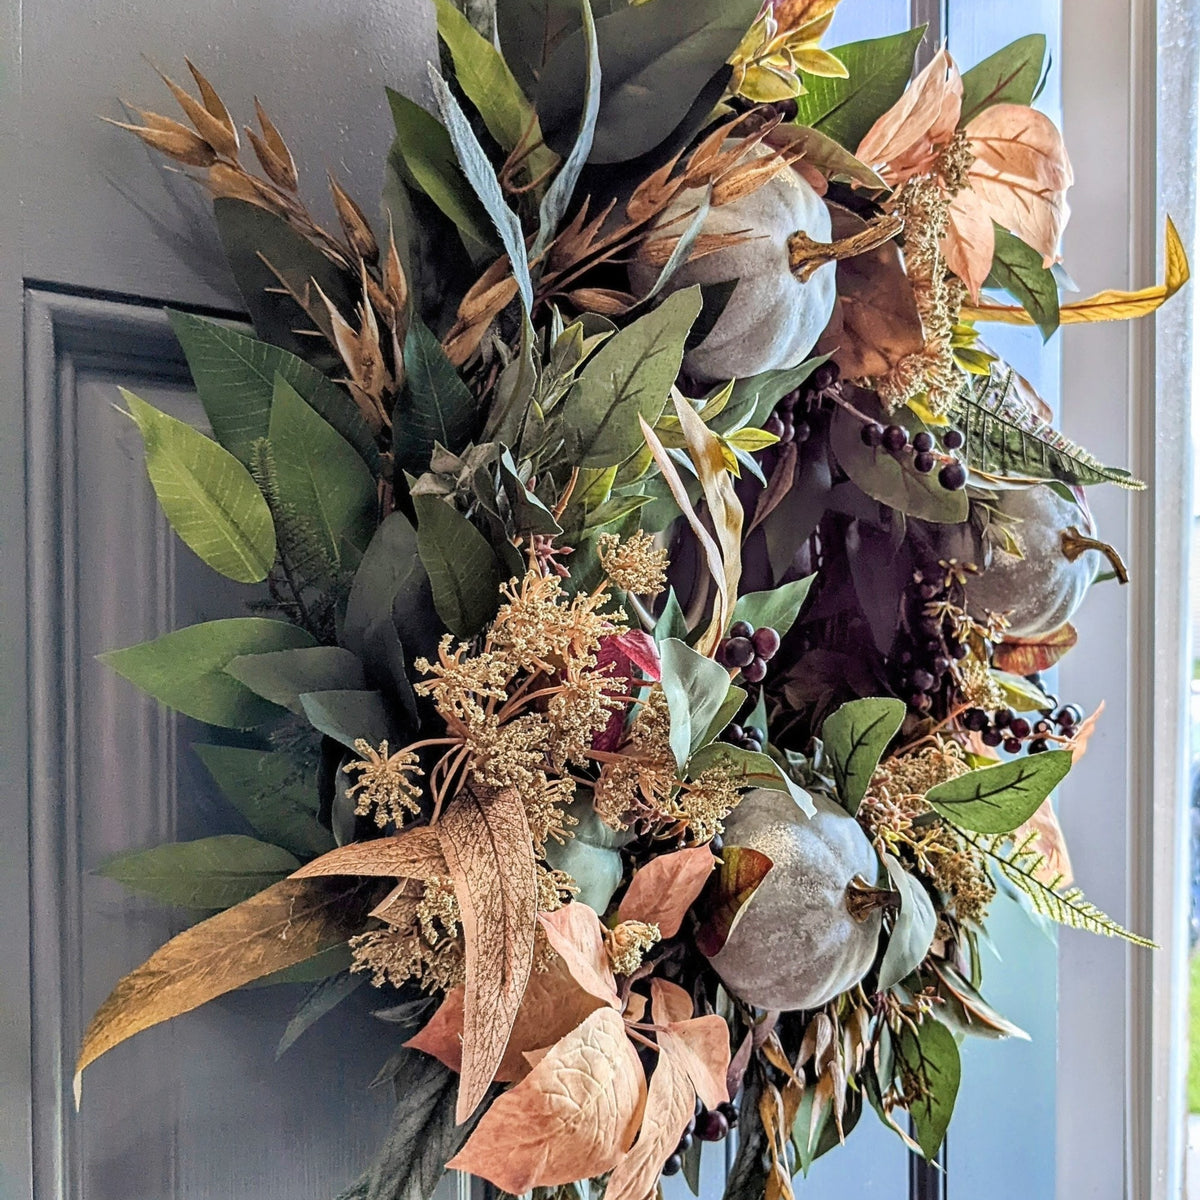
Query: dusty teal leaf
[[775, 609], [855, 737], [347, 716], [436, 407], [463, 569], [695, 688], [1002, 798], [592, 856], [282, 676], [671, 621], [751, 769], [913, 930], [324, 998]]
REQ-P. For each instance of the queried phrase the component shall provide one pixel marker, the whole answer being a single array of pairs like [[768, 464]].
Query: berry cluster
[[748, 650], [705, 1126], [1013, 733], [894, 438], [930, 644], [745, 737]]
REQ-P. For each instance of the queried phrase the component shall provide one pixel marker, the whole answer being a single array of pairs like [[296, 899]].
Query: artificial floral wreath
[[658, 572]]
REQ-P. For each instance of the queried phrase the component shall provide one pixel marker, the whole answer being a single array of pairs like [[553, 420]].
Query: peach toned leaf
[[289, 922], [489, 854], [577, 937], [1020, 657], [1083, 734], [699, 1044], [574, 1116], [741, 871], [666, 887], [670, 1004], [970, 242], [413, 854], [1056, 870], [906, 140]]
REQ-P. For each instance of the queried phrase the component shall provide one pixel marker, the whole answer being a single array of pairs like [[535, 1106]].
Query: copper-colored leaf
[[414, 854], [1083, 733], [577, 937], [607, 301], [737, 879], [573, 1117], [483, 303], [666, 887], [699, 1044], [355, 225], [970, 242], [287, 923], [1028, 657], [485, 838]]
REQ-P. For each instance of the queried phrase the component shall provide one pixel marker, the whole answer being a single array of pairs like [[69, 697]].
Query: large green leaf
[[591, 856], [277, 797], [283, 676], [753, 398], [185, 670], [347, 716], [912, 931], [929, 1060], [463, 569], [855, 737], [775, 609], [1017, 269], [879, 71], [212, 872], [436, 407], [235, 378], [1010, 76], [210, 499], [529, 30], [669, 50], [1002, 798], [320, 476], [630, 376], [695, 688]]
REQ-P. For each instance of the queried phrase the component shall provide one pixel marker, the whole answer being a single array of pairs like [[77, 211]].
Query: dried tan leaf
[[272, 152], [355, 225], [666, 887], [573, 1117], [1083, 733], [607, 301], [221, 137], [485, 838], [485, 300], [287, 923], [170, 138], [414, 854], [576, 935], [214, 104], [970, 242]]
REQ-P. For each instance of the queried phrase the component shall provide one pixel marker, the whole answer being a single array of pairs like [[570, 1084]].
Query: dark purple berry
[[1068, 717], [921, 701], [685, 1142], [729, 1112], [929, 590], [738, 652], [922, 442], [922, 681], [895, 438], [1042, 727], [924, 463], [952, 439], [992, 737], [1039, 747], [774, 424], [953, 476], [755, 671], [1013, 745], [735, 733], [754, 734], [673, 1165], [1035, 679], [872, 434], [716, 844], [741, 629], [1019, 727], [697, 1112], [1004, 718], [975, 719], [826, 375], [940, 665], [712, 1126], [958, 650], [766, 642], [802, 432], [789, 432]]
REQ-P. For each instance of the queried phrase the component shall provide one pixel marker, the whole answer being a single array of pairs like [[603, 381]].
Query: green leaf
[[276, 796], [1017, 269], [751, 769], [437, 407], [631, 375], [185, 670], [669, 50], [212, 872], [913, 930], [879, 71], [528, 31], [319, 474], [592, 856], [347, 716], [855, 737], [210, 499], [775, 609], [324, 998], [752, 399], [734, 699], [671, 622], [929, 1059], [283, 675], [695, 688], [1005, 437], [1002, 798], [482, 178], [890, 478], [429, 162], [1010, 76], [463, 569], [529, 514], [235, 378]]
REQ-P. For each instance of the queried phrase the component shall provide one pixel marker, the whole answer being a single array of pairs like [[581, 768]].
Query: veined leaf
[[1017, 269], [1010, 76], [695, 688], [1005, 437], [855, 737], [288, 923], [928, 1060], [775, 609], [752, 399], [913, 930], [282, 676], [1002, 798], [185, 670], [212, 872], [210, 499], [671, 622], [463, 569]]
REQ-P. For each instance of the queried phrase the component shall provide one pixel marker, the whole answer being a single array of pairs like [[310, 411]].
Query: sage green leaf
[[482, 178], [775, 609], [912, 931], [212, 872], [890, 478], [879, 71], [695, 688], [1002, 798], [463, 569], [283, 675], [734, 699], [275, 795], [427, 156], [591, 856], [630, 376], [855, 737], [436, 408], [529, 514], [347, 716], [319, 474], [750, 768], [928, 1061], [1017, 269], [669, 50], [185, 670], [210, 499], [671, 622], [529, 30], [324, 998], [753, 398], [1010, 76], [235, 378]]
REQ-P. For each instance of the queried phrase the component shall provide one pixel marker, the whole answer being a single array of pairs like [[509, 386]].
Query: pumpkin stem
[[862, 899], [805, 255], [1075, 543]]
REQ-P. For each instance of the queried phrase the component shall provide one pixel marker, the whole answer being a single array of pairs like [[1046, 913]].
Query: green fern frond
[[1022, 866]]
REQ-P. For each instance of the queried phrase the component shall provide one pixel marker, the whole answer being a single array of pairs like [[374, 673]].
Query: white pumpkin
[[773, 319], [796, 944]]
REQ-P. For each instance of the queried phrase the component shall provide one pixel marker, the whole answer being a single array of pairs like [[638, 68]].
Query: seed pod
[[170, 138], [354, 224], [272, 152], [221, 137]]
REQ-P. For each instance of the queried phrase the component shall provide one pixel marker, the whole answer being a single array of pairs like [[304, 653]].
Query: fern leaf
[[1024, 867], [1004, 436]]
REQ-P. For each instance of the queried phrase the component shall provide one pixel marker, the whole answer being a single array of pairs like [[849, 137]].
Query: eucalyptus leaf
[[913, 930], [210, 499], [1010, 76], [185, 670], [1017, 269], [592, 856], [324, 998], [1002, 798], [929, 1058], [463, 569], [209, 873], [347, 716], [750, 768], [854, 739], [695, 688], [776, 609], [671, 622], [281, 676], [732, 703]]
